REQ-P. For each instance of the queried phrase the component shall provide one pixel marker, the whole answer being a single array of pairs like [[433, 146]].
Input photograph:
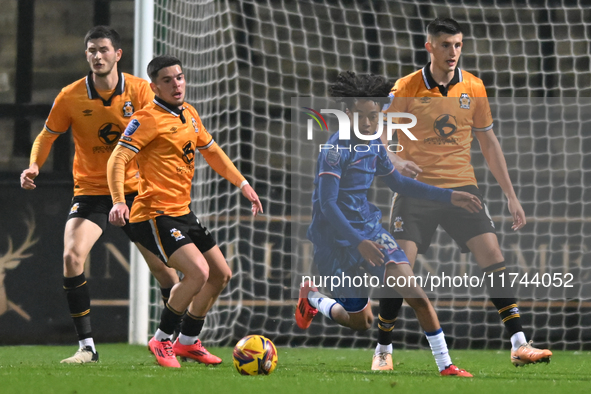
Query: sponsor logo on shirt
[[445, 125], [109, 133], [188, 152]]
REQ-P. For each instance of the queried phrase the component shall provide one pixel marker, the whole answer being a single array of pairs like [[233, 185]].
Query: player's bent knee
[[418, 304], [360, 325], [224, 278], [73, 263], [361, 321], [198, 273]]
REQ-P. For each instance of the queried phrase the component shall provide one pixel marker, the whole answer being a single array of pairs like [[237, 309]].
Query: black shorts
[[416, 220], [97, 208], [164, 235]]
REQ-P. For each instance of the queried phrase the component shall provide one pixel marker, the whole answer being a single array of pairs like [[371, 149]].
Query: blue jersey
[[341, 213], [355, 171]]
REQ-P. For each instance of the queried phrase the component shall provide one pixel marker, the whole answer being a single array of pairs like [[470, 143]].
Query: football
[[255, 355]]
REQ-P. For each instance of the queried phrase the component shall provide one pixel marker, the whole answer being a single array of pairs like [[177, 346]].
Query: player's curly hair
[[349, 87]]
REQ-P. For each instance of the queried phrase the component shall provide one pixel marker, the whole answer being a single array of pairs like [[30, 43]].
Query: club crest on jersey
[[176, 234], [332, 157], [397, 224], [128, 109], [74, 208], [195, 125], [464, 101], [132, 127]]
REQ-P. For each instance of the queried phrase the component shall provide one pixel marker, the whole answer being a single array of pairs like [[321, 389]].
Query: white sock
[[383, 349], [517, 340], [321, 302], [439, 349], [161, 335], [186, 340], [87, 342]]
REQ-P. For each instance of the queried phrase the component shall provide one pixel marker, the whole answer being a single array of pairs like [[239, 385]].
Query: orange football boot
[[196, 352], [382, 362], [527, 354], [163, 352], [452, 370], [304, 311]]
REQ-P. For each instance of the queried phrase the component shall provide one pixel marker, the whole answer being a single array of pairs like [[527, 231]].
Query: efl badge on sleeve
[[333, 157], [195, 124], [464, 101], [128, 109], [132, 127]]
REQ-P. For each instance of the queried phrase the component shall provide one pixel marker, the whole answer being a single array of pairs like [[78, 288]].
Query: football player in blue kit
[[348, 238]]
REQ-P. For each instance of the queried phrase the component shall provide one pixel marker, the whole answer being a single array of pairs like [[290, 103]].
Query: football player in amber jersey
[[163, 138], [97, 108], [441, 157]]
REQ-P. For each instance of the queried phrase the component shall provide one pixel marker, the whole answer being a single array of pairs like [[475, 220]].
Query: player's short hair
[[103, 32], [160, 62], [443, 26], [350, 87]]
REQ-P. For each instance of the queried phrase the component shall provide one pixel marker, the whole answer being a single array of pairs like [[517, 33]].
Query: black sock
[[165, 294], [78, 298], [169, 319], [389, 308], [192, 325], [502, 296]]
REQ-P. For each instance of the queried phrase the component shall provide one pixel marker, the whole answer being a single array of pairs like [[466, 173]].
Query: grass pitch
[[132, 369]]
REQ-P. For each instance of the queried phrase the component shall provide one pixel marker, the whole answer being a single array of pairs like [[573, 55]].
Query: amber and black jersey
[[96, 123], [165, 139], [446, 118]]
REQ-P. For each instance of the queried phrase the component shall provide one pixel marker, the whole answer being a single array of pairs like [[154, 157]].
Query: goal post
[[139, 275], [244, 61]]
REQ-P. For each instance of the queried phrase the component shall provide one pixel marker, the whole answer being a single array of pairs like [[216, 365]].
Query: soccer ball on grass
[[255, 355]]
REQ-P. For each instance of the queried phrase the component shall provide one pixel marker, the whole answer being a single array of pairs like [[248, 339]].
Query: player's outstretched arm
[[412, 188], [468, 201], [116, 179], [405, 167], [39, 154], [493, 154]]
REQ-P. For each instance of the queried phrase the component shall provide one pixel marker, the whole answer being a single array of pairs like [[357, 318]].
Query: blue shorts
[[353, 305], [347, 262]]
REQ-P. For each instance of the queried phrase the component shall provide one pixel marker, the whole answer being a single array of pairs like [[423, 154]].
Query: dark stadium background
[[41, 51]]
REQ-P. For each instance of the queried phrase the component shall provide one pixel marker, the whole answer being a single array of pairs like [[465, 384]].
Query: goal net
[[245, 60]]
